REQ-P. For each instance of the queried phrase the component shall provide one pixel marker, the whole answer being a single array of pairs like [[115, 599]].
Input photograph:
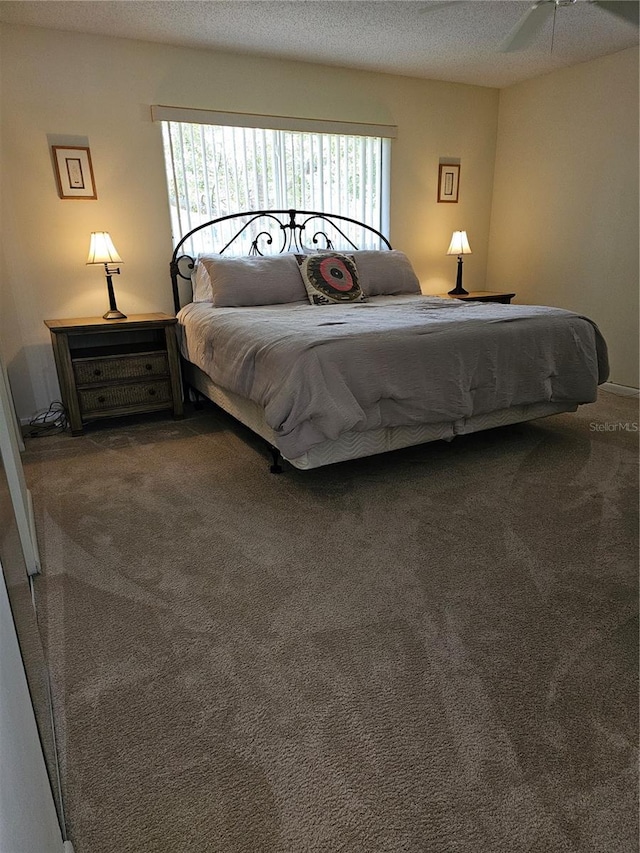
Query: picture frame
[[448, 183], [74, 172]]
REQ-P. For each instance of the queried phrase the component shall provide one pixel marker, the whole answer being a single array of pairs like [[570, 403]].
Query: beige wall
[[101, 89], [564, 225]]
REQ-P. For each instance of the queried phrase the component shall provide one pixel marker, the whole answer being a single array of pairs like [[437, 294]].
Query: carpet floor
[[432, 651]]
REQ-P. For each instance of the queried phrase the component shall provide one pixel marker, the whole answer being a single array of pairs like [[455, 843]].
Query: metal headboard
[[290, 232]]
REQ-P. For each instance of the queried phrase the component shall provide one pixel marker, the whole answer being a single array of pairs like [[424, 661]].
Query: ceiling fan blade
[[628, 10], [528, 28]]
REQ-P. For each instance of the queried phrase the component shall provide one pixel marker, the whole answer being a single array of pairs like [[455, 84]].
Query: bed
[[312, 331]]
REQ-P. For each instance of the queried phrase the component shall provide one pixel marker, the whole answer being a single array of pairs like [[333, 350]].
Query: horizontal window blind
[[215, 170]]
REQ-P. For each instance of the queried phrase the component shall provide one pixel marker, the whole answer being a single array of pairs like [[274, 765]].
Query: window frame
[[182, 115]]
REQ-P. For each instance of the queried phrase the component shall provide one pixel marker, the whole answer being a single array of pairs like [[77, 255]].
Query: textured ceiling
[[457, 41]]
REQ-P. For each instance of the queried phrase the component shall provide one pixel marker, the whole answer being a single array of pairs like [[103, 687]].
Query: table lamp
[[102, 251], [459, 246]]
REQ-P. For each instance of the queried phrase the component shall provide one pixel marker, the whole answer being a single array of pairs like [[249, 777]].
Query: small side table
[[109, 368], [483, 296]]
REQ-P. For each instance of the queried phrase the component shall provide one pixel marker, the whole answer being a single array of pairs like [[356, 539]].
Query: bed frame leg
[[196, 398], [276, 467]]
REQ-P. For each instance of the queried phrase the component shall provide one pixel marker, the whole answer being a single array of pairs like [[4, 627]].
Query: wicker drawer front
[[140, 394], [125, 367]]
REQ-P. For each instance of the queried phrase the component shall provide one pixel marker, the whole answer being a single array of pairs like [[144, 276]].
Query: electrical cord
[[49, 422]]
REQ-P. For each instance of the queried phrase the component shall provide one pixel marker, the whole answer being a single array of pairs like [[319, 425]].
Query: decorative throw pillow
[[330, 278]]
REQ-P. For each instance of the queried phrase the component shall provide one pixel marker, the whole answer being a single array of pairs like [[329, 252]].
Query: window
[[217, 169]]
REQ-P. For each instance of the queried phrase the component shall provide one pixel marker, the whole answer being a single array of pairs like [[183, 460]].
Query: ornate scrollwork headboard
[[276, 231]]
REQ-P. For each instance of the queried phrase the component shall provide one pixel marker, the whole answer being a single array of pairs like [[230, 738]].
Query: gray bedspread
[[391, 361]]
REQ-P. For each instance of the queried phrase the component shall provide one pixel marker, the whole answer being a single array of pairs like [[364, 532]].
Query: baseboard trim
[[67, 847], [621, 390]]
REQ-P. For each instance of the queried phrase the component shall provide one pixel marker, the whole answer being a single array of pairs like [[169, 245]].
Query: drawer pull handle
[[101, 399], [97, 372], [152, 392], [148, 367]]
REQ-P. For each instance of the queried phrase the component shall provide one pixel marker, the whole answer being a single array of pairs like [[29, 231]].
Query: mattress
[[398, 370]]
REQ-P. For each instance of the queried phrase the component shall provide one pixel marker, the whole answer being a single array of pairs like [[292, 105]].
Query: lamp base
[[459, 290], [114, 315]]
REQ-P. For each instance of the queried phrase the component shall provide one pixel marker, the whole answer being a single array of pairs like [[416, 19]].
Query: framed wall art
[[74, 172], [448, 182]]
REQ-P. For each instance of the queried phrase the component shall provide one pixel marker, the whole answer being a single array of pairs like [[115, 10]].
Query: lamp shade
[[459, 244], [102, 250]]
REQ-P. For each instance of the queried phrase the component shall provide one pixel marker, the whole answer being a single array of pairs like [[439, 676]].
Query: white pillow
[[385, 272], [249, 280], [201, 283]]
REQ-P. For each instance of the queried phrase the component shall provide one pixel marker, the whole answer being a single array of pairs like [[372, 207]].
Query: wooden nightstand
[[108, 368], [484, 296]]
